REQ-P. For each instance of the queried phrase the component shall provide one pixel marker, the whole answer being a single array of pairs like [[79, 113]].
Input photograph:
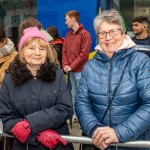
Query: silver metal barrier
[[143, 48], [86, 140]]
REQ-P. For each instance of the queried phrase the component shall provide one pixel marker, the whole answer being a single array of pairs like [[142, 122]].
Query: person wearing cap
[[32, 22], [140, 30], [35, 101]]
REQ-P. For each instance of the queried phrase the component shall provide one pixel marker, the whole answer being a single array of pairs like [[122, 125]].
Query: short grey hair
[[110, 16]]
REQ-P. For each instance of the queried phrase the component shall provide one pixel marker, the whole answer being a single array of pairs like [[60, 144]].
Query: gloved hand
[[21, 130], [50, 138]]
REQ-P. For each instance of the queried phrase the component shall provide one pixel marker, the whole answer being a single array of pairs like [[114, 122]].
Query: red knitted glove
[[21, 130], [50, 138]]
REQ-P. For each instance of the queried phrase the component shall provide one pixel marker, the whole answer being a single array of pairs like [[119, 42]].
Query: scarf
[[7, 49]]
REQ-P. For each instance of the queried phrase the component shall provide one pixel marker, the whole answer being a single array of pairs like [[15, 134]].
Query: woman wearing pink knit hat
[[34, 99]]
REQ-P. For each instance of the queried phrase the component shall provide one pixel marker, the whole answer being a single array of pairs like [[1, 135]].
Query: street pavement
[[75, 131]]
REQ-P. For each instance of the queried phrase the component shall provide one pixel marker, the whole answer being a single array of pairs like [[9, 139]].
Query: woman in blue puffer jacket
[[113, 98]]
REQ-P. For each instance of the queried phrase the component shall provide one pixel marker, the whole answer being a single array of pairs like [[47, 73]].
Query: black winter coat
[[58, 48], [45, 102]]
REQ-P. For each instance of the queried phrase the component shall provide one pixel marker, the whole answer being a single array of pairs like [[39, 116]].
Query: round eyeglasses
[[112, 33]]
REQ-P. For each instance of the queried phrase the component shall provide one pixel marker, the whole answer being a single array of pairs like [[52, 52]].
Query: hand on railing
[[104, 136], [50, 138], [21, 130]]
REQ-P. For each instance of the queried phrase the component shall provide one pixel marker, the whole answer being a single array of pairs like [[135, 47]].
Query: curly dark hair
[[2, 34]]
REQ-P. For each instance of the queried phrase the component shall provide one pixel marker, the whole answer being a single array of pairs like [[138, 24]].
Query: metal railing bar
[[142, 47], [86, 140], [4, 143]]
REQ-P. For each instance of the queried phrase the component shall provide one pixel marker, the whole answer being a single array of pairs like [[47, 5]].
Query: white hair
[[110, 16]]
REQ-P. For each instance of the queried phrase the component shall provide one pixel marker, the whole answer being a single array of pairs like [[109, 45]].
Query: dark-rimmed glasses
[[112, 33]]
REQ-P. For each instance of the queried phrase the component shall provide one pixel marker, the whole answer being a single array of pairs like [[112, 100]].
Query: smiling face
[[34, 54], [138, 28], [110, 44]]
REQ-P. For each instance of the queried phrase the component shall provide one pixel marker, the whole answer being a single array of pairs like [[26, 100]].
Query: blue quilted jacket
[[129, 113]]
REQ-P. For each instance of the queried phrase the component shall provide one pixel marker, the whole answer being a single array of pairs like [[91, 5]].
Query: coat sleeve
[[7, 113], [56, 115], [64, 54], [84, 51], [83, 107], [139, 122]]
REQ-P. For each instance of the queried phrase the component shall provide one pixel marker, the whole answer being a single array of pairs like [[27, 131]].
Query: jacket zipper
[[109, 96]]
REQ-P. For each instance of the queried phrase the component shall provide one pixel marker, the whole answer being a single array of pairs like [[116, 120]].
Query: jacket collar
[[80, 28], [20, 74], [58, 41], [117, 55]]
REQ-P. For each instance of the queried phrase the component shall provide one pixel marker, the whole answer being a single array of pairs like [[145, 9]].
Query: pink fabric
[[32, 32]]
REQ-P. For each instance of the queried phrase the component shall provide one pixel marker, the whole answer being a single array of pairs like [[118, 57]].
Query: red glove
[[50, 138], [21, 130]]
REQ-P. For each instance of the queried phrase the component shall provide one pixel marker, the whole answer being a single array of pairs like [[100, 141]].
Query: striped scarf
[[7, 49]]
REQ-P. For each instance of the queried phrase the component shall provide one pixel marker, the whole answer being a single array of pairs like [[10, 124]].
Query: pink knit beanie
[[31, 33]]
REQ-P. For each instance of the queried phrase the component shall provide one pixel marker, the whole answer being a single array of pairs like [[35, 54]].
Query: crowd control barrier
[[85, 140]]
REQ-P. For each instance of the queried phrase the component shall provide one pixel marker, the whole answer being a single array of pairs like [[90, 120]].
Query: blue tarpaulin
[[52, 12]]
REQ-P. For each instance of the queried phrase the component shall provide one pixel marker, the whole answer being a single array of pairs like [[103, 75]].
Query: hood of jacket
[[127, 47], [20, 74], [58, 41]]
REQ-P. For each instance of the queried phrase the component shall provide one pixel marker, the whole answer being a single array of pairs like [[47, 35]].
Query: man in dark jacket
[[140, 30]]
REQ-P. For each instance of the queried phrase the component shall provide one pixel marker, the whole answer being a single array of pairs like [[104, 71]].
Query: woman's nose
[[108, 36], [37, 51]]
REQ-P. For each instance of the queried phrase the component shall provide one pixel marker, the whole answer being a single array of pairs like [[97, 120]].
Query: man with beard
[[140, 30]]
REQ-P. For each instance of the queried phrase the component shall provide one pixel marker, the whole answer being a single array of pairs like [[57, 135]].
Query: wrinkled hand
[[104, 136], [21, 131], [50, 138]]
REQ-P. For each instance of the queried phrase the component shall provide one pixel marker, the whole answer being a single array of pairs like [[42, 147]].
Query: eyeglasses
[[112, 33]]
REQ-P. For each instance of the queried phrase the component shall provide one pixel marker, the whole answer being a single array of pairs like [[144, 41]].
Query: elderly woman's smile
[[35, 54], [110, 37]]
